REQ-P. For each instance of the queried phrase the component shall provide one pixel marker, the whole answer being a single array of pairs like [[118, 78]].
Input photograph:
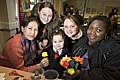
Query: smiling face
[[96, 31], [45, 15], [58, 42], [70, 28], [31, 30]]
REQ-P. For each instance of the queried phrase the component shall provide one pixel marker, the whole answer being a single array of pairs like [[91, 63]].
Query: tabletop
[[12, 74]]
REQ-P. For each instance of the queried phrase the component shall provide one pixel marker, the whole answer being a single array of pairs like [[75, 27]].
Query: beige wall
[[7, 20], [11, 10], [3, 23], [58, 6]]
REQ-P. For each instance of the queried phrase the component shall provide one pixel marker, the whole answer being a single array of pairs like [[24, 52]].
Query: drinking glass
[[37, 74]]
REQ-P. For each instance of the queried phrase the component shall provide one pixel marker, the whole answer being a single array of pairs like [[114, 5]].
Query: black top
[[75, 45], [104, 61]]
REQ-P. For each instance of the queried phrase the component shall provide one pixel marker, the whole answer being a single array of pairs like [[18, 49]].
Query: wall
[[12, 15], [96, 6], [3, 23], [8, 21], [58, 6], [108, 6]]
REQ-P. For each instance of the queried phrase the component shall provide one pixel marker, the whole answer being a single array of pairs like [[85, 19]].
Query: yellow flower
[[71, 71], [44, 54]]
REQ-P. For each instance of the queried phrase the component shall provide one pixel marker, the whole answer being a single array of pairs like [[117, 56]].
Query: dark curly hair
[[106, 22]]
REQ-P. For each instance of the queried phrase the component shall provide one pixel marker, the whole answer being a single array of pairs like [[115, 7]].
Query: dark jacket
[[75, 45], [55, 63], [104, 61]]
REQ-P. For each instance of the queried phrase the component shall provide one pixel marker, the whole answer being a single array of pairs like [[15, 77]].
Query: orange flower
[[78, 59], [65, 61]]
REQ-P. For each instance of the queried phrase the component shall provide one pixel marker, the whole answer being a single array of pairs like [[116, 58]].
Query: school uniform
[[55, 63]]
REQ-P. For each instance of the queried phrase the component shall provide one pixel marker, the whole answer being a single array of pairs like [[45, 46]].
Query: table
[[6, 70]]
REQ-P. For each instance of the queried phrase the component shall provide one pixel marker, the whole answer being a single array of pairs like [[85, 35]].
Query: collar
[[60, 51], [78, 35]]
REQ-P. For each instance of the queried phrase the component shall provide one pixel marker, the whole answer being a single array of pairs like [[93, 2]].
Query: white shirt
[[60, 51]]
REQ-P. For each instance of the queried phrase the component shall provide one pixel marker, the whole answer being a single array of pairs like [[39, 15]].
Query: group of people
[[41, 33]]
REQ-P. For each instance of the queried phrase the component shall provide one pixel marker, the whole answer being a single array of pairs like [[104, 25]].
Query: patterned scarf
[[30, 52]]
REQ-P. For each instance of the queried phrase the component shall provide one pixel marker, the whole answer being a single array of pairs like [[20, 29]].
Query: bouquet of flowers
[[71, 63]]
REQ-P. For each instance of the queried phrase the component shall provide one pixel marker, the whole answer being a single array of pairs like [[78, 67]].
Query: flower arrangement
[[71, 63]]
